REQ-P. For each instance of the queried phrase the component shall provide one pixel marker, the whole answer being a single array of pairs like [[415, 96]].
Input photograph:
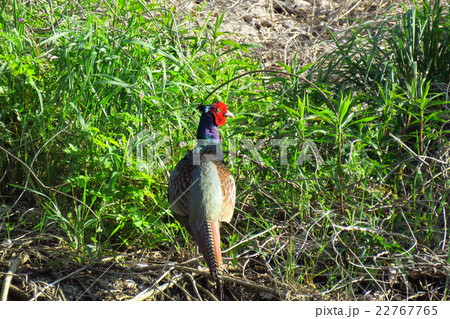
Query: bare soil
[[284, 28]]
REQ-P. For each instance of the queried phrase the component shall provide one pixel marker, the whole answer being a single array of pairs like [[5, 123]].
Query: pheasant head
[[212, 117]]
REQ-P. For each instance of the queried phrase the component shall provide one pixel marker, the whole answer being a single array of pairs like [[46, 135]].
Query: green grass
[[96, 100]]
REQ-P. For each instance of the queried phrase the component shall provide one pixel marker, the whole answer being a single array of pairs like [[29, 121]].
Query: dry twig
[[58, 281], [154, 291], [14, 265]]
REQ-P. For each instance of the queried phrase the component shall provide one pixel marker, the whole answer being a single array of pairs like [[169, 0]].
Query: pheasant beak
[[229, 114]]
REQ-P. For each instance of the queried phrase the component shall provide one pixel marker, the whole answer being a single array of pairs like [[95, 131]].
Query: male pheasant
[[202, 191]]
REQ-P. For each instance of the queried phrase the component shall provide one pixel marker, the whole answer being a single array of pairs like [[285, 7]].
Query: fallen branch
[[15, 293], [14, 265]]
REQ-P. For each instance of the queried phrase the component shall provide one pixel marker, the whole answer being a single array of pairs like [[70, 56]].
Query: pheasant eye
[[219, 110]]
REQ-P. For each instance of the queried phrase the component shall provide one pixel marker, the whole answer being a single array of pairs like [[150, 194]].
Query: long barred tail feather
[[208, 240]]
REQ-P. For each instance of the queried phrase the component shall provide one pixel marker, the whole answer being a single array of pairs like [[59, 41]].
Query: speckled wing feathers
[[181, 181], [228, 192], [179, 190]]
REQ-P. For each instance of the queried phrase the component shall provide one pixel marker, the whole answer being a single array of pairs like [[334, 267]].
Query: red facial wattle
[[219, 110]]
